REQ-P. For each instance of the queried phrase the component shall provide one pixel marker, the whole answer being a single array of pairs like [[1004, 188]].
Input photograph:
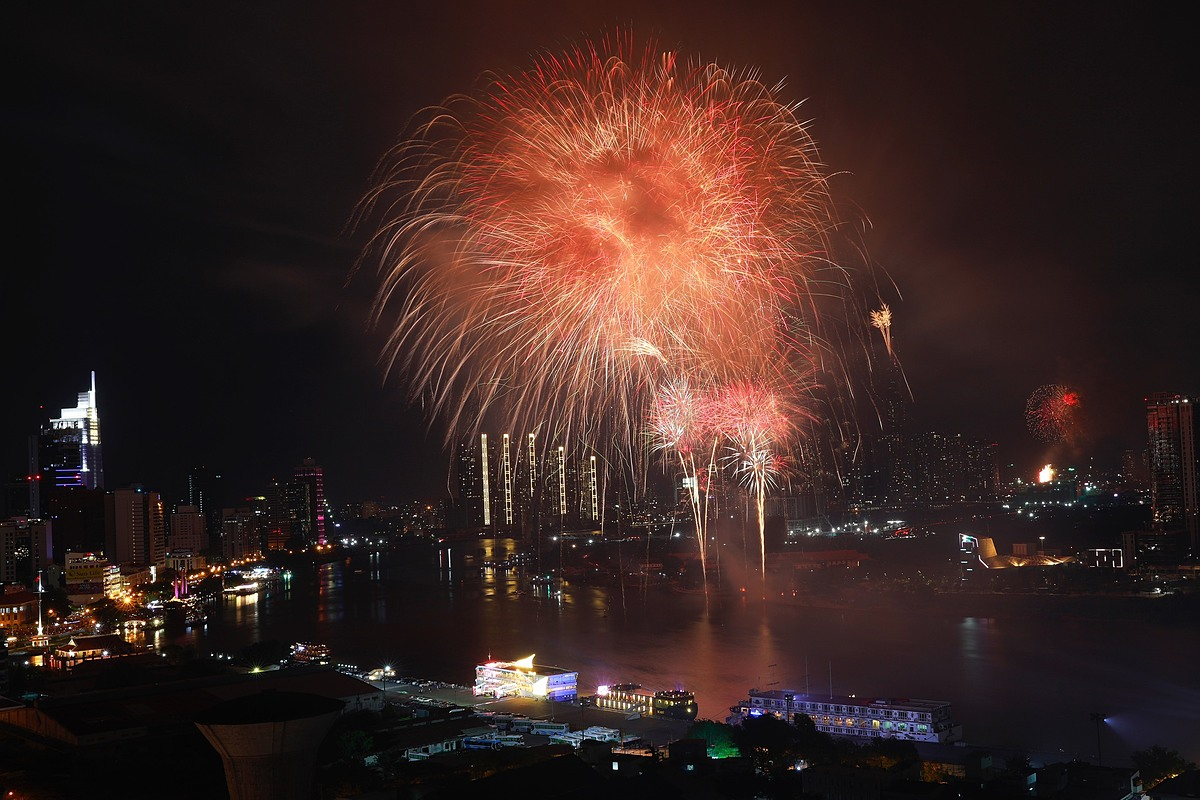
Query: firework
[[1052, 413], [568, 238], [754, 420], [882, 319], [613, 242], [680, 427]]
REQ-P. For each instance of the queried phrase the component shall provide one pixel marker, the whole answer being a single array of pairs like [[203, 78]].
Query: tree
[[1158, 763], [718, 735], [769, 742]]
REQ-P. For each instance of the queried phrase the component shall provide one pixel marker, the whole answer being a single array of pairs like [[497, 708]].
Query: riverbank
[[651, 730]]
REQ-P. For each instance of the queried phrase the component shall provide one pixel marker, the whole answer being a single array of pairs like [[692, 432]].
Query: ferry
[[850, 716], [310, 653], [633, 699]]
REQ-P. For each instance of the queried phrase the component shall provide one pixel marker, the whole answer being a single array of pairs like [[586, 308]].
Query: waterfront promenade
[[654, 731]]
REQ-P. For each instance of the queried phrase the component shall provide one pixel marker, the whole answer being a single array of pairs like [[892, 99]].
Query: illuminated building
[[562, 481], [485, 473], [312, 476], [468, 506], [525, 679], [136, 528], [187, 531], [84, 573], [17, 609], [69, 448], [840, 715], [968, 556], [631, 698], [1173, 468], [25, 549], [593, 493], [89, 648], [507, 476], [239, 533]]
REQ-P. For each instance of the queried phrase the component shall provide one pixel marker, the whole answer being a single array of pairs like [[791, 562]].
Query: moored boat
[[633, 698]]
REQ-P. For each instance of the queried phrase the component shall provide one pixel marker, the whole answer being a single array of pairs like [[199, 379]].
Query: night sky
[[180, 184]]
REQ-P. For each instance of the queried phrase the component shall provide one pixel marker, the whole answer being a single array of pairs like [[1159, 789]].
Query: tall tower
[[1173, 463], [313, 477], [507, 477], [69, 451], [485, 476], [136, 527]]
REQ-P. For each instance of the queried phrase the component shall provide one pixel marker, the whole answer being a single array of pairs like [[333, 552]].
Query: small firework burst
[[882, 319], [1052, 413]]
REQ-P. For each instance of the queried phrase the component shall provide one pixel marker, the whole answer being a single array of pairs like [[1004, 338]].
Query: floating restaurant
[[523, 678], [841, 715], [633, 698]]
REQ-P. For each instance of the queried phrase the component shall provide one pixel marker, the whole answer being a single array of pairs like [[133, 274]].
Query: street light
[[1098, 718]]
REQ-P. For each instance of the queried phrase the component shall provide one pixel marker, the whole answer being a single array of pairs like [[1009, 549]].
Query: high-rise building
[[239, 533], [205, 492], [25, 549], [79, 519], [311, 476], [471, 464], [136, 527], [1173, 467], [69, 450], [280, 527], [188, 530]]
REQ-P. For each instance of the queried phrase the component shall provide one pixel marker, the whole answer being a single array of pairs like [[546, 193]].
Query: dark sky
[[179, 184]]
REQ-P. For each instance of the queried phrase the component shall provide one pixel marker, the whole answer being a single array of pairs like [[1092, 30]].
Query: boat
[[857, 717], [634, 699], [310, 653]]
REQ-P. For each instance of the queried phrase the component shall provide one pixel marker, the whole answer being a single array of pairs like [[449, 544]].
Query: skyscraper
[[25, 549], [313, 477], [70, 454], [188, 530], [1173, 465], [136, 527]]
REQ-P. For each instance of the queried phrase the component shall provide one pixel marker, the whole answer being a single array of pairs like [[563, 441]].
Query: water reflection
[[1026, 682]]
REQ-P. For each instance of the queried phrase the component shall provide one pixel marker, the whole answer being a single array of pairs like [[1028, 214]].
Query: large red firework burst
[[1052, 412], [567, 239]]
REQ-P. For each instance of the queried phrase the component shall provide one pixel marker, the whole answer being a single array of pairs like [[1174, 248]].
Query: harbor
[[650, 731]]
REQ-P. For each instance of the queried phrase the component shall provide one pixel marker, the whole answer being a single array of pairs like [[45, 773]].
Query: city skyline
[[1019, 174]]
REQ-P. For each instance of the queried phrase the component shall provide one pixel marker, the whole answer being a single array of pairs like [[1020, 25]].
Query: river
[[1024, 675]]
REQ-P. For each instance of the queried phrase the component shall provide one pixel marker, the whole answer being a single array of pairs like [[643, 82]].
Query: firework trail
[[680, 427], [754, 421], [1052, 412], [597, 246]]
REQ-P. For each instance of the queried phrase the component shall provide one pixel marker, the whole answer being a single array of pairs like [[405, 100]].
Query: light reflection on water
[[1028, 682]]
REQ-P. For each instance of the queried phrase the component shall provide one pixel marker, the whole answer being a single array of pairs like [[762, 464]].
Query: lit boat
[[633, 698], [850, 716], [310, 653]]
